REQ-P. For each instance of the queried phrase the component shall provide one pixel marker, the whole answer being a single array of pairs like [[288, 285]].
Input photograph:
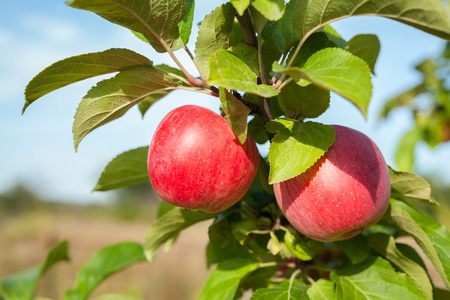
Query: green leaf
[[374, 279], [301, 246], [169, 226], [240, 5], [229, 71], [257, 130], [223, 245], [236, 114], [269, 54], [77, 68], [305, 102], [263, 172], [241, 229], [157, 21], [163, 208], [112, 98], [356, 248], [282, 31], [296, 147], [427, 15], [175, 74], [214, 34], [406, 186], [431, 236], [337, 70], [404, 99], [101, 265], [248, 54], [224, 280], [21, 286], [404, 156], [367, 47], [185, 25], [316, 42], [286, 290], [125, 169], [334, 36], [385, 245], [272, 10], [322, 289]]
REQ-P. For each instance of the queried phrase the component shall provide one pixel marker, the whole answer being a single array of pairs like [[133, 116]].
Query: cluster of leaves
[[279, 63], [429, 103], [253, 247]]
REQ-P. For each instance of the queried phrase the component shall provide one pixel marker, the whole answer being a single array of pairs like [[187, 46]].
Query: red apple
[[342, 194], [195, 160]]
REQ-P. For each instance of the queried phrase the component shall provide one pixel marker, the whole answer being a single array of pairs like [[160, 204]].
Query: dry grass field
[[26, 238]]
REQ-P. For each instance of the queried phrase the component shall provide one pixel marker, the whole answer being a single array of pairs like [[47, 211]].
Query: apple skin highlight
[[195, 160], [345, 192]]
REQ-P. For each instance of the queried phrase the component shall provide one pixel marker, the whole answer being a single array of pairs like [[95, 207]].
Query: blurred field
[[26, 237]]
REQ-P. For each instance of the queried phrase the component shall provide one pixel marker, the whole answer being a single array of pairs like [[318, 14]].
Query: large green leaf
[[126, 169], [337, 70], [248, 54], [103, 264], [272, 10], [315, 42], [112, 98], [302, 246], [156, 20], [282, 31], [406, 186], [322, 289], [385, 245], [175, 74], [404, 156], [305, 102], [185, 28], [296, 147], [229, 71], [356, 248], [185, 25], [427, 15], [223, 245], [168, 226], [77, 68], [236, 114], [240, 5], [432, 237], [224, 280], [374, 279], [214, 34], [21, 286], [287, 290], [367, 47]]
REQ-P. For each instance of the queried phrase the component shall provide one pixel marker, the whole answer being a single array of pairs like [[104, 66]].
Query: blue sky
[[36, 149]]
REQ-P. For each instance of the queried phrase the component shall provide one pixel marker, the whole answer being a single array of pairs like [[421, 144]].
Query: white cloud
[[50, 29]]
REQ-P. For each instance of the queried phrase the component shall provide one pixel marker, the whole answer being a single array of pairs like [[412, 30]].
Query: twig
[[247, 29]]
